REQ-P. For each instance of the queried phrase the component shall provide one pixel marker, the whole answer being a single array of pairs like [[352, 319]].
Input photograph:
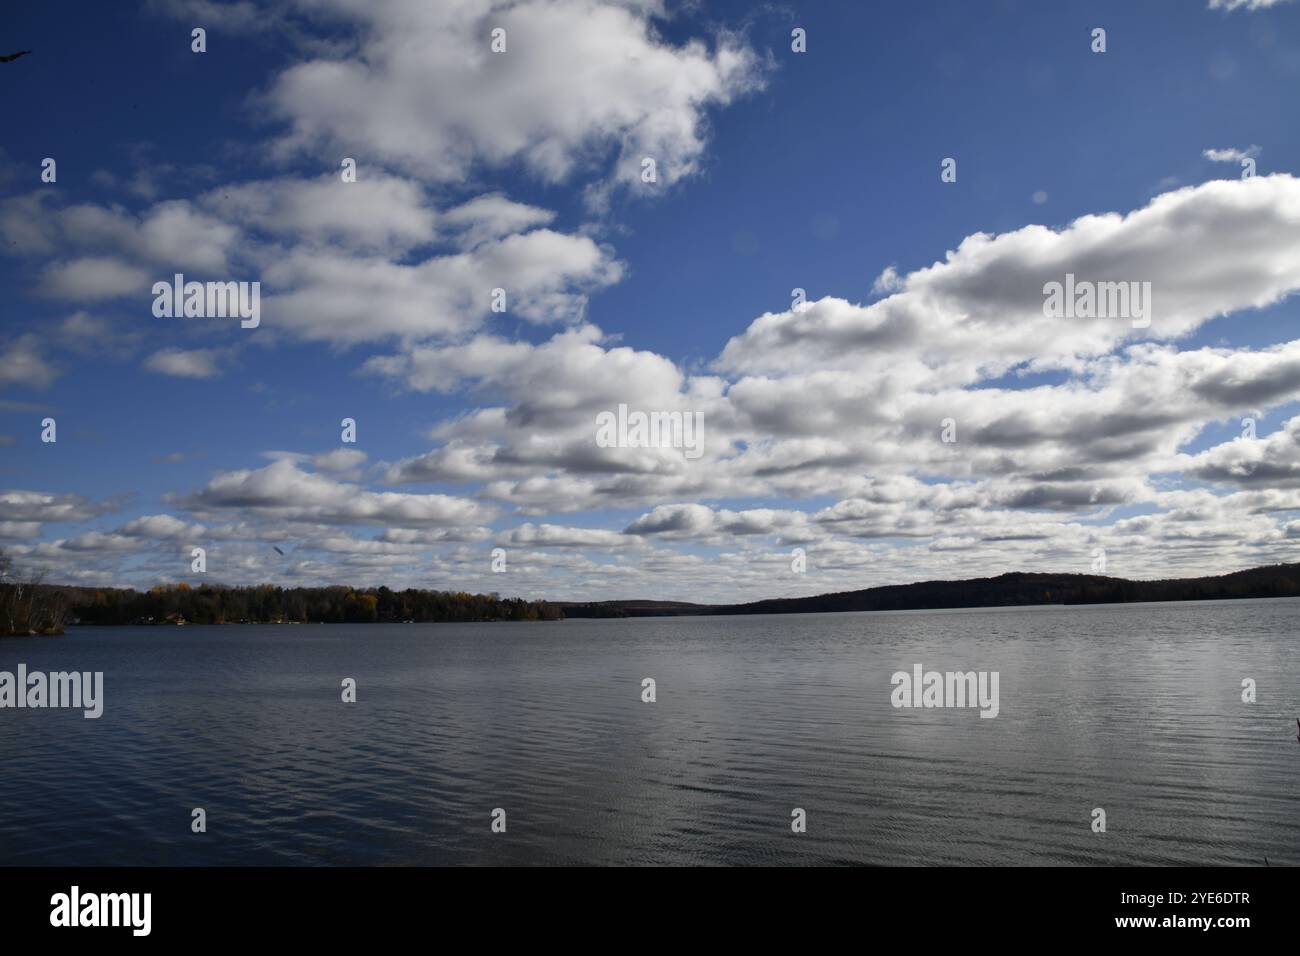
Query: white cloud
[[377, 213], [529, 535], [182, 363], [22, 364], [171, 234], [1231, 154], [282, 490], [96, 277], [494, 217], [1270, 462], [161, 527], [1245, 4], [43, 506], [347, 298], [425, 94], [337, 259], [340, 461], [979, 312]]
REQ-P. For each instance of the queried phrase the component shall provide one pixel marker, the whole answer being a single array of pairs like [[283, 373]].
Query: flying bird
[[281, 554], [14, 56]]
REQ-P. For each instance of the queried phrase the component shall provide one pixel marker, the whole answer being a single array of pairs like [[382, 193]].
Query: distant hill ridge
[[1014, 589]]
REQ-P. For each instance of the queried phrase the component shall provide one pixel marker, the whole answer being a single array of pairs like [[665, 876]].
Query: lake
[[1134, 709]]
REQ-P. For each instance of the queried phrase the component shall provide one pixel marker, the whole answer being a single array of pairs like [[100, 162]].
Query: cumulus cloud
[[283, 491], [553, 392], [340, 262], [93, 278], [22, 364], [185, 363], [822, 394], [494, 216], [24, 514], [980, 312], [161, 527], [1270, 462], [173, 233], [1231, 154], [1245, 4], [530, 535], [377, 213], [546, 277], [579, 77], [340, 461]]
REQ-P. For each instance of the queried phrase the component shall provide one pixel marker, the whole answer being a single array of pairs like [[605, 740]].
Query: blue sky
[[817, 170]]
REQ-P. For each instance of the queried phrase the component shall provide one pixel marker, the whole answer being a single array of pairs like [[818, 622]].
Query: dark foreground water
[[1135, 709]]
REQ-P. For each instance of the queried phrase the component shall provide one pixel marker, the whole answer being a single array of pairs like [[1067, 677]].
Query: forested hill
[[1005, 590]]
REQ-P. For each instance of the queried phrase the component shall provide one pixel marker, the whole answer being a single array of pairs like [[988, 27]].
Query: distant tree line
[[265, 604], [28, 606]]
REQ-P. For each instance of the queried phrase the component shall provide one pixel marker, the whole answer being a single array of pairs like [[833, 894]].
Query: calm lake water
[[1135, 709]]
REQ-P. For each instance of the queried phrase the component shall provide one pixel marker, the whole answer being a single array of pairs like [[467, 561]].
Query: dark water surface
[[1136, 709]]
